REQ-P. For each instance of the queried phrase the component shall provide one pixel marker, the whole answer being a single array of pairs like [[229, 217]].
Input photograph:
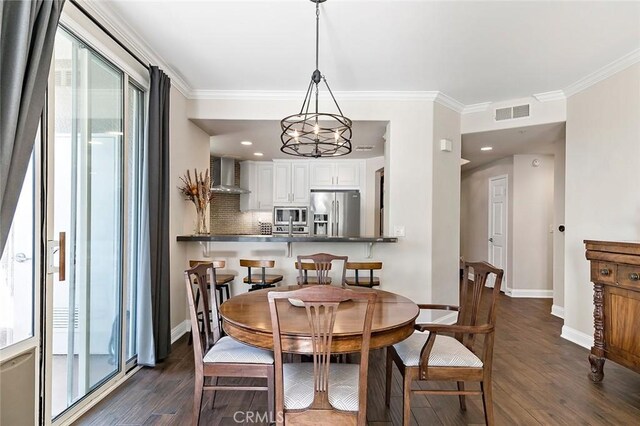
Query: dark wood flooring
[[539, 378]]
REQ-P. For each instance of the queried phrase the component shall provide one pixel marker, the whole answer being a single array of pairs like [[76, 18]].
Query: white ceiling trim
[[603, 73], [104, 13], [483, 106], [244, 95], [555, 95], [449, 102]]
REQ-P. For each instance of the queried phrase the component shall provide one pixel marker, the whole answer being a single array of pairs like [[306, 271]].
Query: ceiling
[[472, 51], [265, 136], [540, 139]]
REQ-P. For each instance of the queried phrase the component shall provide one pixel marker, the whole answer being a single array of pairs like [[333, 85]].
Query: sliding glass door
[[85, 224]]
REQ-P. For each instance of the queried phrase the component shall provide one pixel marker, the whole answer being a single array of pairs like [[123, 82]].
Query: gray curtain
[[27, 35], [158, 167]]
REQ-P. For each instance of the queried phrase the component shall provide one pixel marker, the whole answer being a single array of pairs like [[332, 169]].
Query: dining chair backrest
[[472, 298], [215, 264], [196, 279], [322, 263], [321, 303], [303, 269]]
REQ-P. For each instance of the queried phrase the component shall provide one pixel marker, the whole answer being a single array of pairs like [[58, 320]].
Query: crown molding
[[555, 95], [104, 12], [483, 106], [603, 73], [283, 95], [447, 101]]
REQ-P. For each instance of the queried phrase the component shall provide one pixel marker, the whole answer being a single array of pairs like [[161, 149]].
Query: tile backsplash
[[226, 217]]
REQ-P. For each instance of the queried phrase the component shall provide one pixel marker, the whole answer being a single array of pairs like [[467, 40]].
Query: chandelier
[[311, 133]]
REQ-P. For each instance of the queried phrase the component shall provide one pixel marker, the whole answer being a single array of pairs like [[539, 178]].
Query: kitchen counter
[[206, 239]]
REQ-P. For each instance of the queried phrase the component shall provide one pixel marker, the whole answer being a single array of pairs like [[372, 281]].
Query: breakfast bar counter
[[210, 238]]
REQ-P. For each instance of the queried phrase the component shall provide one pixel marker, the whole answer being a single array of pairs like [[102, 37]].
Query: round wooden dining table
[[246, 318]]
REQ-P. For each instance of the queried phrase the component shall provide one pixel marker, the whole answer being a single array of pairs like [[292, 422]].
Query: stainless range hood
[[224, 177]]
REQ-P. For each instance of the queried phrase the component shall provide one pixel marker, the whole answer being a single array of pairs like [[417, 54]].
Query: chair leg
[[271, 395], [406, 399], [214, 382], [197, 398], [387, 394], [463, 402], [487, 401]]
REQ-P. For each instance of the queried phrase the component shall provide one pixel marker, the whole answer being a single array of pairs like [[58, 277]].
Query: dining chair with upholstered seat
[[322, 264], [429, 354], [305, 267], [217, 356], [321, 392]]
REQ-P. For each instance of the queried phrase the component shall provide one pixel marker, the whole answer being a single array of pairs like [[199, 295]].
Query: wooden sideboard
[[615, 273]]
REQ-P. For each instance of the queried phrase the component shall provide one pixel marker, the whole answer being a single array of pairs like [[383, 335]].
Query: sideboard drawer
[[629, 276], [603, 272]]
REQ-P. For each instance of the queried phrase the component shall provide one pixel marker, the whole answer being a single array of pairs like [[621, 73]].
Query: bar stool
[[222, 280], [364, 281], [303, 278], [262, 280]]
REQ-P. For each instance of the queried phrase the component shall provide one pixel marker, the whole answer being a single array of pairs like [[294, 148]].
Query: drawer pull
[[605, 272], [634, 276]]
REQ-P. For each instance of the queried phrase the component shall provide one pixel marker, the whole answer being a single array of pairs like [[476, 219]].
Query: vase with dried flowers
[[197, 190]]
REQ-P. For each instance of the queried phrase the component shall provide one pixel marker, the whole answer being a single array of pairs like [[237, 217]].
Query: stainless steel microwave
[[297, 215]]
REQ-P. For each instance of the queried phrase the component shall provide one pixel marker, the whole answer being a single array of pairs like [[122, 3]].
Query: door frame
[[505, 281]]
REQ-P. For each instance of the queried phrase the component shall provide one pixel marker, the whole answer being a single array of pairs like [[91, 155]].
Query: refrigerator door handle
[[333, 212], [337, 218]]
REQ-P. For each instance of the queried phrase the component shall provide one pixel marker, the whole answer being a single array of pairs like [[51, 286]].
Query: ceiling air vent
[[519, 111], [364, 148]]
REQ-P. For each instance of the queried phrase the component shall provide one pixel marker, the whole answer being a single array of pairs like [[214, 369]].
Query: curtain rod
[[109, 33]]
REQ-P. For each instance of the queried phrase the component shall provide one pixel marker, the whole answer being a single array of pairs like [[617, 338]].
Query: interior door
[[84, 225], [498, 220]]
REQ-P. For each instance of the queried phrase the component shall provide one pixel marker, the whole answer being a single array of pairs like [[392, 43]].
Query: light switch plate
[[398, 231]]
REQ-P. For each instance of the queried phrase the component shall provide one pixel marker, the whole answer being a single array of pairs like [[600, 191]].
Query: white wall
[[408, 179], [558, 219], [531, 273], [602, 199], [474, 213], [446, 207], [189, 149]]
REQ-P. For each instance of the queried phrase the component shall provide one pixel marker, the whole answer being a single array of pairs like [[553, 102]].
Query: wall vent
[[364, 148], [518, 111]]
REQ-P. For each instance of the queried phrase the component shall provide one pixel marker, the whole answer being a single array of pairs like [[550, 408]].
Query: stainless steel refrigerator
[[335, 213]]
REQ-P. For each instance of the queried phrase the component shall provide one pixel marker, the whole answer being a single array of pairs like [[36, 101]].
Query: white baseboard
[[538, 294], [180, 329], [557, 311], [577, 337]]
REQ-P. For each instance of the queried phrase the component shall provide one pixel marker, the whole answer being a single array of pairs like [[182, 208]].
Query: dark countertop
[[285, 239]]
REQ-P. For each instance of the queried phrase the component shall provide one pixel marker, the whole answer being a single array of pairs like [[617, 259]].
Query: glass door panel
[[86, 193]]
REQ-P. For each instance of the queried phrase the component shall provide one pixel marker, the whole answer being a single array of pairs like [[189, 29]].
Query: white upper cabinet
[[339, 174], [257, 177], [290, 182]]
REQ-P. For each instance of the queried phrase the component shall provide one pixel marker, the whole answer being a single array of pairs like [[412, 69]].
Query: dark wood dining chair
[[363, 274], [261, 280], [217, 356], [428, 354], [321, 392], [322, 265], [305, 267]]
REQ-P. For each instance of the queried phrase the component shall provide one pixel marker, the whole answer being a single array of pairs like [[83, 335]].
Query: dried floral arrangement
[[197, 190]]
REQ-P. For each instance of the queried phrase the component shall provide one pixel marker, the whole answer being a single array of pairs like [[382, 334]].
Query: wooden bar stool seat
[[362, 278], [260, 280], [222, 280], [305, 267]]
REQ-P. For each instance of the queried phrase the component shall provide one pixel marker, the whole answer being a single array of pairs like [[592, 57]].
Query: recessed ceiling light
[[258, 154], [486, 148], [246, 143]]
